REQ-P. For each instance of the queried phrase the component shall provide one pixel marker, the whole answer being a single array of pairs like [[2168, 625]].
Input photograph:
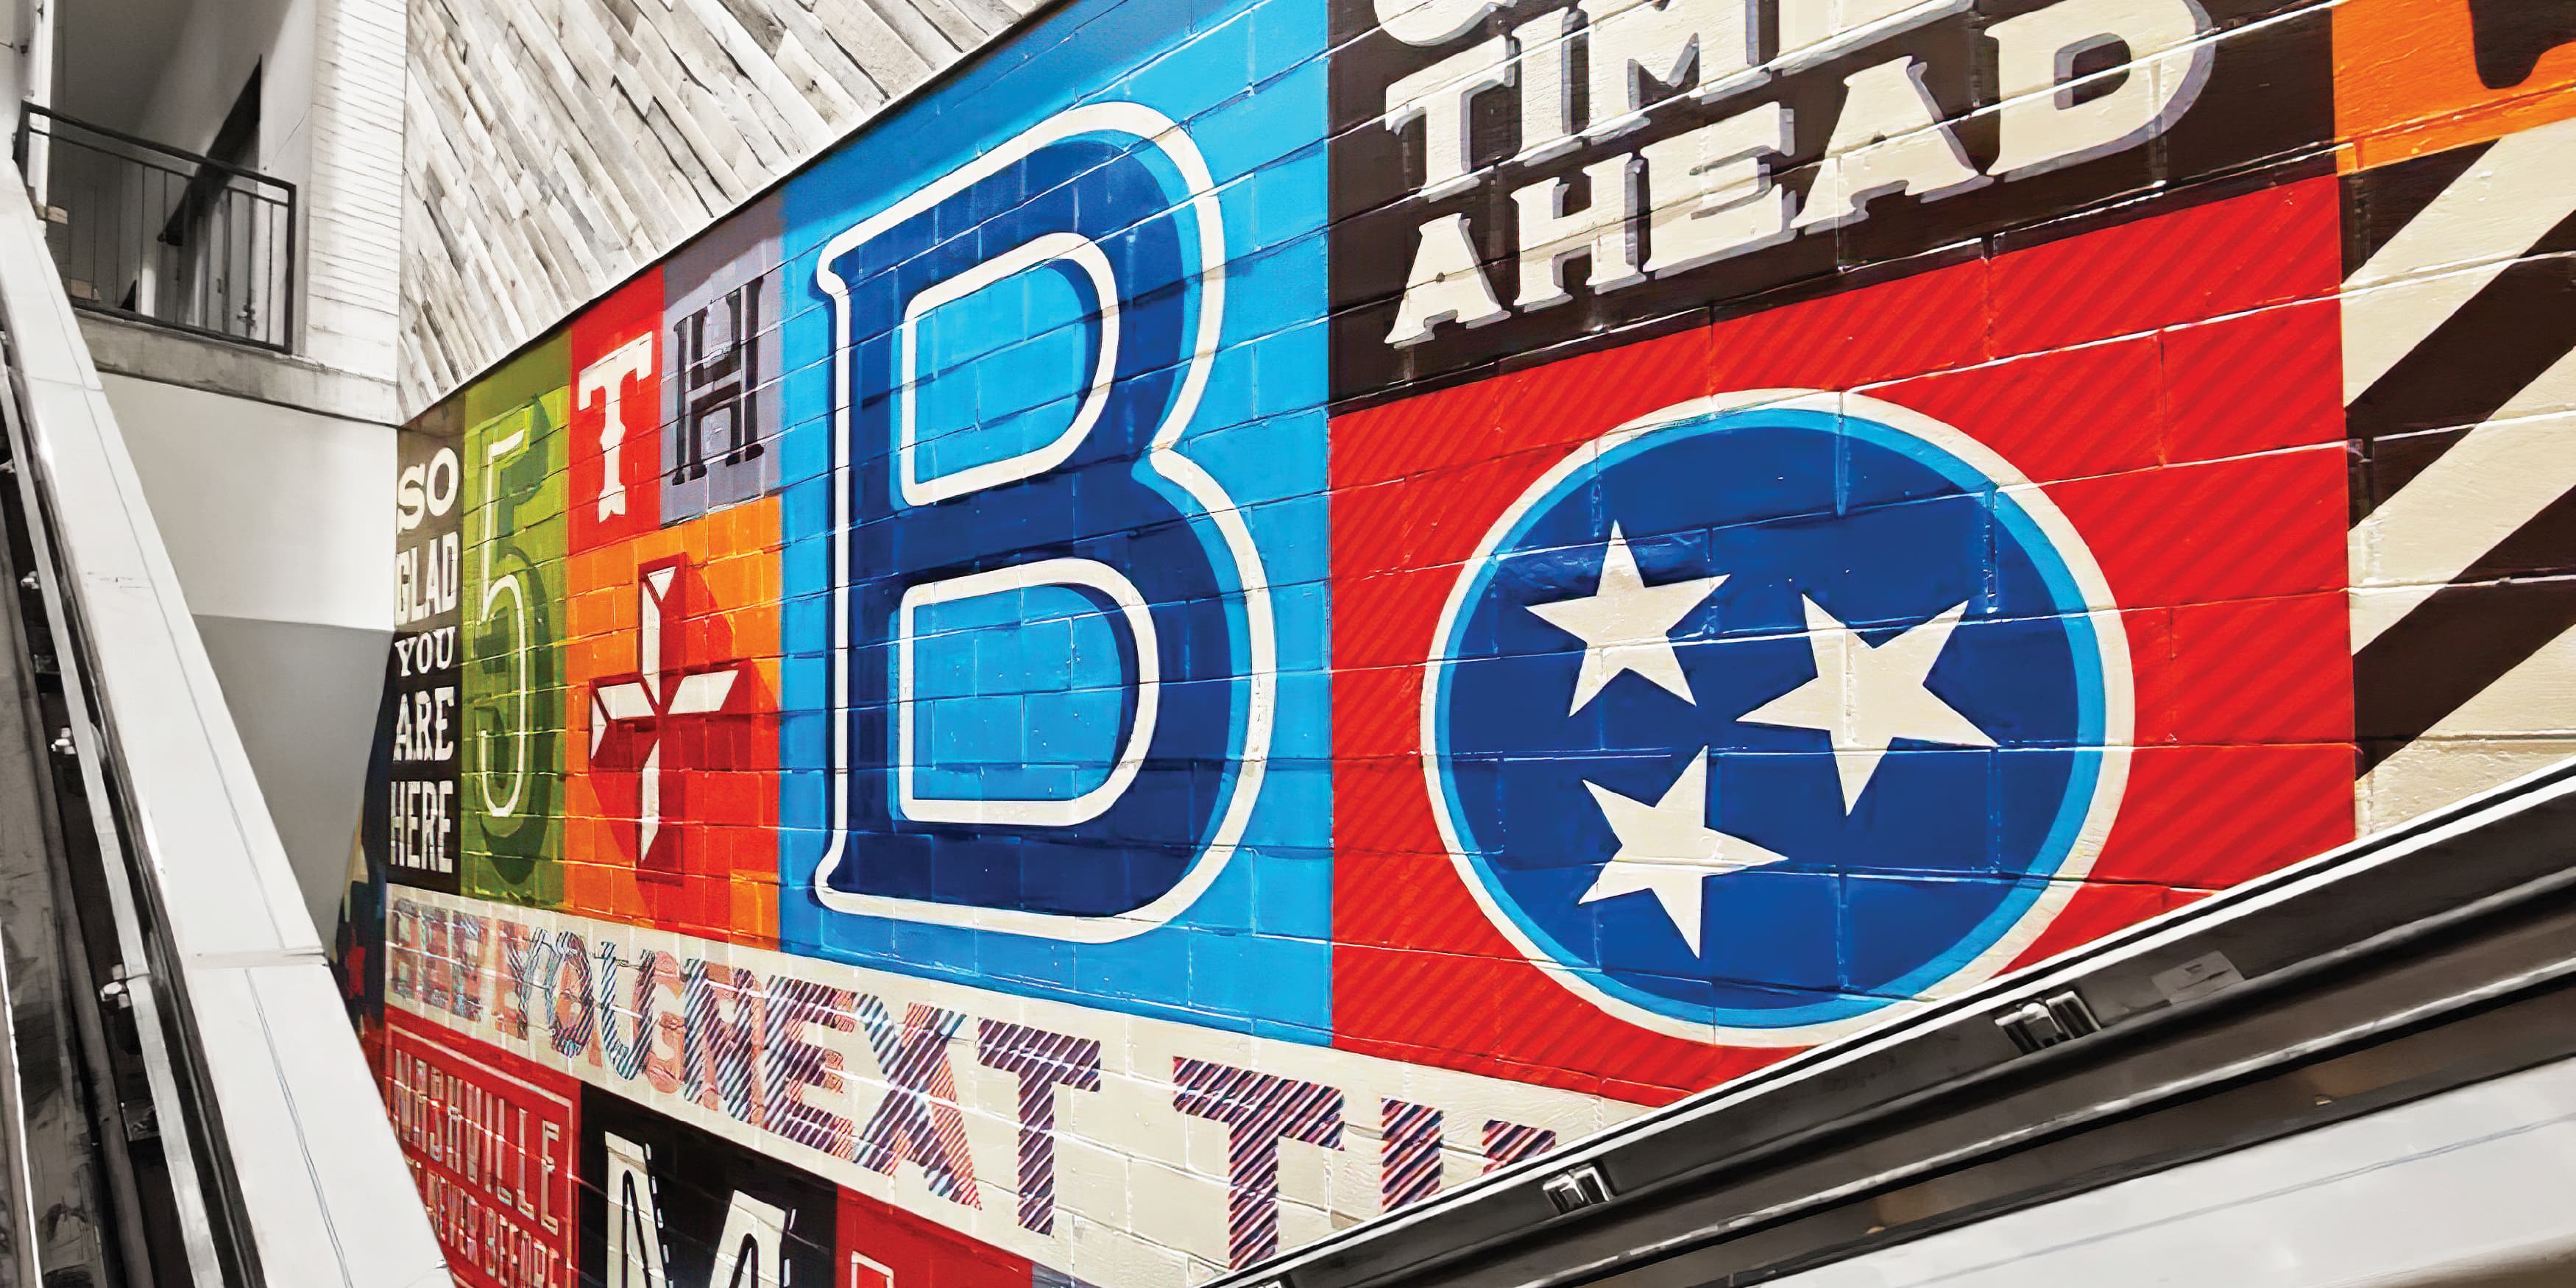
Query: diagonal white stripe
[[2522, 721], [2482, 222], [2493, 481]]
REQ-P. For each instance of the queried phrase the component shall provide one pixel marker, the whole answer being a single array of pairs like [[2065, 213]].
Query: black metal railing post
[[211, 246]]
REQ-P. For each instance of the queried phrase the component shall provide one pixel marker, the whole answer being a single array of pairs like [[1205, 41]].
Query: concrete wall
[[1253, 608], [276, 525]]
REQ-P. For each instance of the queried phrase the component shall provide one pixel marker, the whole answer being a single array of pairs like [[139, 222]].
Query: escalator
[[2361, 1069], [182, 1101]]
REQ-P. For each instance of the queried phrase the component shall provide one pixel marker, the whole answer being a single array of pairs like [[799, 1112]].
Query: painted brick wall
[[352, 296], [1252, 609]]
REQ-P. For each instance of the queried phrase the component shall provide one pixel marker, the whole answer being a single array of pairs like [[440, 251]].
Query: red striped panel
[[2228, 567]]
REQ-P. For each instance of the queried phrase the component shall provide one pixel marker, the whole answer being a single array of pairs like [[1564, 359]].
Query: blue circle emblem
[[1760, 715]]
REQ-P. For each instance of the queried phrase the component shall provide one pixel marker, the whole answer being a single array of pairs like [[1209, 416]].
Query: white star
[[1668, 848], [1626, 625], [1866, 697]]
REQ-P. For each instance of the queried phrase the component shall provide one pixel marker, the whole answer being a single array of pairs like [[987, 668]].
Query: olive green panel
[[516, 453]]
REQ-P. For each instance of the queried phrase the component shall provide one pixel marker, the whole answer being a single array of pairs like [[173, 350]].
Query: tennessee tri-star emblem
[[1796, 688]]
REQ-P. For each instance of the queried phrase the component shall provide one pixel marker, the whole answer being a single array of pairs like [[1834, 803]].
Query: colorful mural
[[1248, 611]]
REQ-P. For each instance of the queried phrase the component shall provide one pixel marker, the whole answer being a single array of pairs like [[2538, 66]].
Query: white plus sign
[[659, 690]]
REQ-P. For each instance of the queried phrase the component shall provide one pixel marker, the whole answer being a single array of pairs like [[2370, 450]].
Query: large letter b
[[1052, 651]]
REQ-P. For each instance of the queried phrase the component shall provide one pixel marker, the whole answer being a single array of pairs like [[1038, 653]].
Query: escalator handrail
[[286, 1115], [1956, 1038]]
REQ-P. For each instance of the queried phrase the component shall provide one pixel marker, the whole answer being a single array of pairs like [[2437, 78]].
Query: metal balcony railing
[[163, 236]]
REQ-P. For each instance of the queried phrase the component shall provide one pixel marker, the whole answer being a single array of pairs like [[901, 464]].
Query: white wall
[[279, 524], [17, 31], [354, 180], [217, 46], [270, 512]]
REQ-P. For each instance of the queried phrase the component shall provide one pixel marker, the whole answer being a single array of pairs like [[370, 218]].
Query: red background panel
[[508, 1214], [2172, 386], [633, 312], [883, 1246], [2244, 253]]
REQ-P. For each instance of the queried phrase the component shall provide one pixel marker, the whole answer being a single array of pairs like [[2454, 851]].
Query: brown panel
[[2261, 98]]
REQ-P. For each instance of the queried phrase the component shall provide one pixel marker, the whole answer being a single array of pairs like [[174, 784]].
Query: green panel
[[514, 582]]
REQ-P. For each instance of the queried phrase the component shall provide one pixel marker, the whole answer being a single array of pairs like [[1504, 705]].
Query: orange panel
[[2419, 76], [666, 814]]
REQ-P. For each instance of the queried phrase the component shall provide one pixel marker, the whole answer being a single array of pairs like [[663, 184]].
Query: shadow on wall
[[304, 697]]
